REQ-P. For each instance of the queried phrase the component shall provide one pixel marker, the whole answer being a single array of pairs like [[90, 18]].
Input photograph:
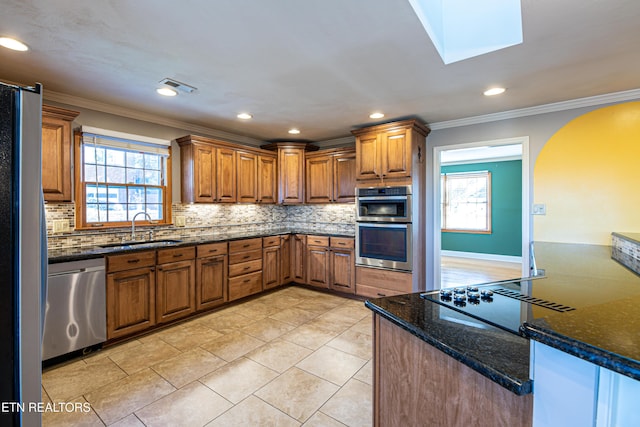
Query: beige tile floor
[[294, 357]]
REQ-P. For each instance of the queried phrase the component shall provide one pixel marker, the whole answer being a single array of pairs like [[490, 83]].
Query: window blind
[[125, 141]]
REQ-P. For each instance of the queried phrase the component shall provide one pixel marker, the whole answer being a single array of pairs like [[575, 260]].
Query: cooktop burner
[[502, 304]]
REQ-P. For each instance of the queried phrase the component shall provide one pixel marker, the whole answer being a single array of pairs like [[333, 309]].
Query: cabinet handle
[[246, 246], [246, 256], [247, 268], [177, 255], [213, 251], [159, 268], [381, 295], [133, 261], [246, 280]]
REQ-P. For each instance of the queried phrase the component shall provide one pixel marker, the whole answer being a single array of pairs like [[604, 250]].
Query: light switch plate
[[539, 209], [180, 221], [59, 226]]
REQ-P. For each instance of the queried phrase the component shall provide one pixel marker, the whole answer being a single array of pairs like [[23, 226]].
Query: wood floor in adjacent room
[[458, 271]]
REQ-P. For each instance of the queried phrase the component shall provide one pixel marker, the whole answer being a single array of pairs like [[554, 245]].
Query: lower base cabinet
[[175, 291], [211, 275], [245, 268], [131, 297], [416, 384]]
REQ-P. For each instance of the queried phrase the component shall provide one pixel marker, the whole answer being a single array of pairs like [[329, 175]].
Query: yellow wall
[[588, 176]]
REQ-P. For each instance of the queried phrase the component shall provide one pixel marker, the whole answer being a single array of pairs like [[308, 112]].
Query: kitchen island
[[601, 328]]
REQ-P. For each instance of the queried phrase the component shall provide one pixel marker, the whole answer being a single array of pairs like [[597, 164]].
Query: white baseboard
[[488, 257]]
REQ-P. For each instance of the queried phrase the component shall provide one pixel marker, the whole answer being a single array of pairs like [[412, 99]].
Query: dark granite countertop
[[500, 356], [604, 328], [89, 252]]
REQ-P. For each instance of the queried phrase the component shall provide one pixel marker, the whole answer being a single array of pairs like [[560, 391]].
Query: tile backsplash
[[210, 219]]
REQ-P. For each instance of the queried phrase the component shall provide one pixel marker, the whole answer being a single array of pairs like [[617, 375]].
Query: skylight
[[462, 29]]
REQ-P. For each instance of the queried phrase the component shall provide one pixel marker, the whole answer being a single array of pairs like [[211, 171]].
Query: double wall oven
[[383, 227]]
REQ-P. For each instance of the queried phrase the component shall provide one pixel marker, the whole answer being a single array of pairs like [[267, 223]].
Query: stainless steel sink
[[141, 244]]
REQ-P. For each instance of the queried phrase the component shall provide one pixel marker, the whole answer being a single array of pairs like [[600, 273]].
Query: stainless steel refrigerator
[[23, 258]]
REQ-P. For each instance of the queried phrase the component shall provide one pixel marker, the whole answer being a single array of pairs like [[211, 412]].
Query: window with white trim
[[119, 178], [466, 202]]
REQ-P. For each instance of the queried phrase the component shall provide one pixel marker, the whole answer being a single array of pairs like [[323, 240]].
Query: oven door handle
[[382, 198]]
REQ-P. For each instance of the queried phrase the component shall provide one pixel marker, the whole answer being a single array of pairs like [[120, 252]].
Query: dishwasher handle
[[76, 271]]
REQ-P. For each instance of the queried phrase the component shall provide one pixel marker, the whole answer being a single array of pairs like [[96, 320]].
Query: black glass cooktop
[[505, 304]]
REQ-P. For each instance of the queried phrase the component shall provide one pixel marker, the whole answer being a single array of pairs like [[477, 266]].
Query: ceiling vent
[[174, 84]]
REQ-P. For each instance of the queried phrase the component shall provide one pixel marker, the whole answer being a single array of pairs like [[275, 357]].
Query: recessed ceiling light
[[376, 115], [13, 44], [494, 91], [165, 91], [244, 116], [294, 131]]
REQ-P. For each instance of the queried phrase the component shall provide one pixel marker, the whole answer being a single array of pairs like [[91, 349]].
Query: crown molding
[[77, 101], [590, 101]]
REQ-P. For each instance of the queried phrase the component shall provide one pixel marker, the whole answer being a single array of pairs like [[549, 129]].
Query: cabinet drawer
[[375, 292], [318, 240], [245, 245], [342, 242], [387, 280], [245, 267], [211, 249], [245, 256], [131, 261], [270, 241], [244, 285], [176, 254]]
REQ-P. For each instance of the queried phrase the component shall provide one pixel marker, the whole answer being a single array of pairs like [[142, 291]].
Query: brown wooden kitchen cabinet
[[208, 171], [286, 257], [298, 258], [56, 153], [175, 284], [257, 180], [330, 176], [211, 275], [410, 375], [376, 282], [267, 179], [291, 175], [318, 261], [245, 268], [271, 255], [131, 293], [342, 267], [388, 151]]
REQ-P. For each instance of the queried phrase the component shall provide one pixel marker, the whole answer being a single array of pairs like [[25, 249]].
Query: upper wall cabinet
[[291, 164], [56, 153], [331, 176], [256, 177], [388, 151]]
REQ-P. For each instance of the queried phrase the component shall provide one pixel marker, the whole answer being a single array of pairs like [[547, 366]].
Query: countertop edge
[[512, 384], [584, 351]]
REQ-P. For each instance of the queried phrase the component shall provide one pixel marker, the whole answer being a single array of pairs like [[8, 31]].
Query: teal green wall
[[506, 212]]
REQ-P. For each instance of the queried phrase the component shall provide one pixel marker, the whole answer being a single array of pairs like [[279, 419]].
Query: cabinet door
[[267, 179], [285, 259], [291, 175], [395, 155], [298, 268], [247, 178], [271, 267], [319, 180], [344, 178], [204, 172], [226, 175], [211, 282], [175, 291], [342, 269], [56, 153], [318, 266], [367, 154], [130, 302]]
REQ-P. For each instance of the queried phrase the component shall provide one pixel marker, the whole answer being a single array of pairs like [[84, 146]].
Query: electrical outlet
[[539, 209], [180, 221], [60, 225]]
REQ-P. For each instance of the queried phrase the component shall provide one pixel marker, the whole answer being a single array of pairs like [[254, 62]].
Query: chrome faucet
[[133, 223]]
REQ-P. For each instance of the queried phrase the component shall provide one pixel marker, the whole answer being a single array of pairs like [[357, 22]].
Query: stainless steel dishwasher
[[75, 316]]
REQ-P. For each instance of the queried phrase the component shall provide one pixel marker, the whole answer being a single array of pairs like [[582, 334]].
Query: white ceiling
[[322, 66]]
